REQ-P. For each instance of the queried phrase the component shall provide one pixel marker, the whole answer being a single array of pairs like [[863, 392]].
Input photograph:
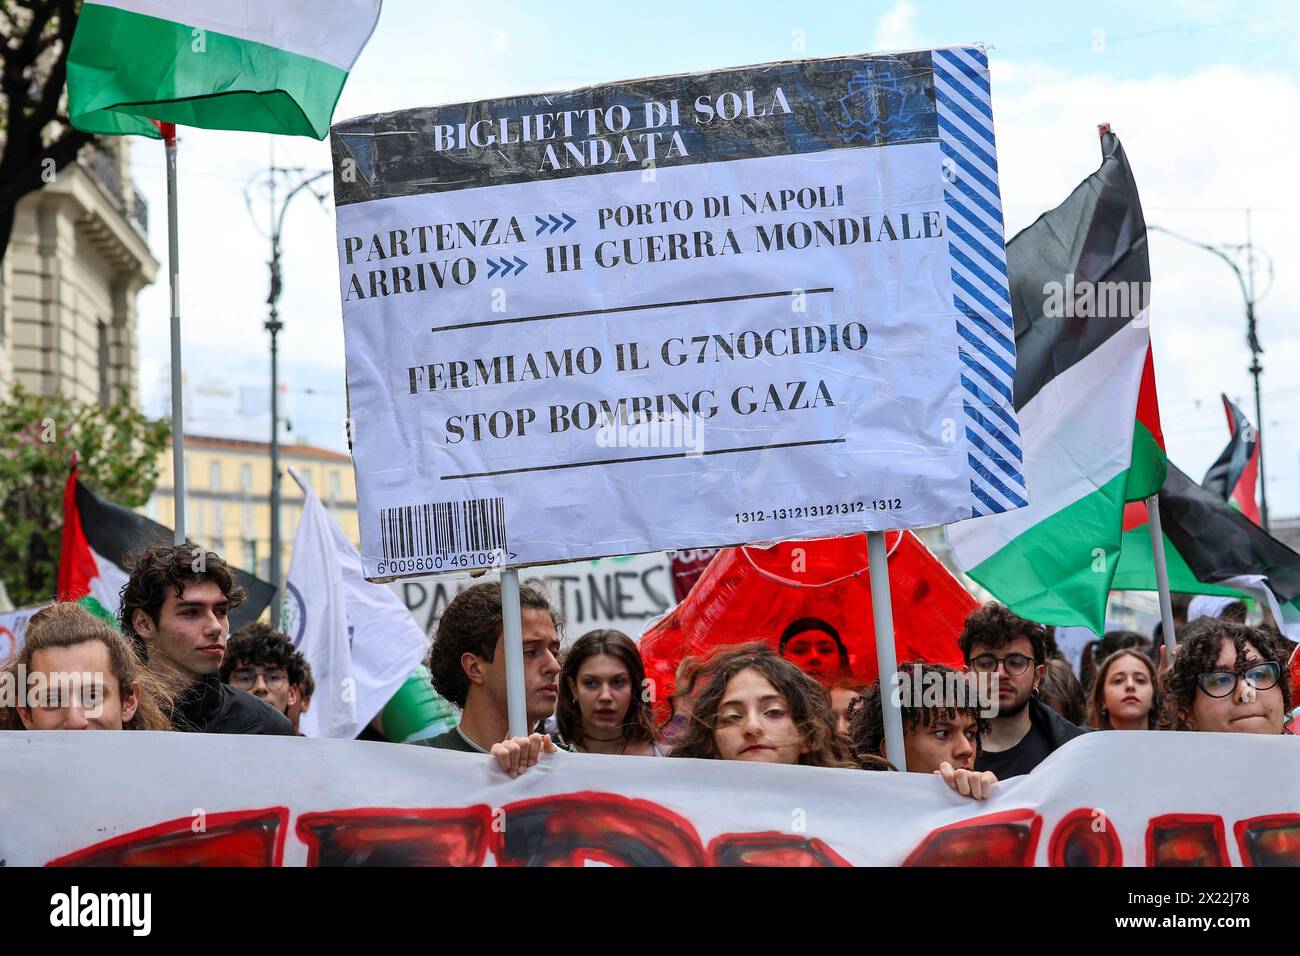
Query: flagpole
[[173, 271], [1162, 574], [513, 648], [882, 612]]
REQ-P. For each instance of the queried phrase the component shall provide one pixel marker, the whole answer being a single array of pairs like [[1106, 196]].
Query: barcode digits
[[442, 528]]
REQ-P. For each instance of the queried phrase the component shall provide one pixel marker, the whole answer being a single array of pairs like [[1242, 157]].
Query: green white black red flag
[[1086, 400], [98, 539]]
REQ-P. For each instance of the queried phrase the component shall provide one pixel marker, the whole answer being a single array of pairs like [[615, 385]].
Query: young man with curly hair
[[942, 723], [264, 662], [996, 641], [468, 667], [176, 607]]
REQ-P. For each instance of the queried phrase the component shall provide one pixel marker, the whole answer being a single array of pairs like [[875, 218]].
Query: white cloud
[[1023, 74], [1196, 178], [896, 29]]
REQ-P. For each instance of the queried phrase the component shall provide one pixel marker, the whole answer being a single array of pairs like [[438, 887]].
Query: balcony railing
[[139, 212], [103, 167]]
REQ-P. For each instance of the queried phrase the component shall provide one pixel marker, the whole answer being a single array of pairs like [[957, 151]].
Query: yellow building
[[228, 489]]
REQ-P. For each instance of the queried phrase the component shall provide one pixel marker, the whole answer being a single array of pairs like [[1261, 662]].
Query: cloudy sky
[[1204, 94]]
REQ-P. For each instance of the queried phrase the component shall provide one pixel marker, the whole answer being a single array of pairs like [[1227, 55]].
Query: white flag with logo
[[359, 639]]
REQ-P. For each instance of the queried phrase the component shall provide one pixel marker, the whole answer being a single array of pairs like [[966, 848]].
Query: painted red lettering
[[771, 849], [1186, 839], [391, 837], [1008, 838], [575, 828], [1077, 841], [241, 838], [1269, 841]]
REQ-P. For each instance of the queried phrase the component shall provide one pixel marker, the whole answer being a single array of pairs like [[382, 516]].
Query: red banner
[[800, 595]]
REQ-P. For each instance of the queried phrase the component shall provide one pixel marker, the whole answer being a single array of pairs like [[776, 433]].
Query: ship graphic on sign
[[883, 106]]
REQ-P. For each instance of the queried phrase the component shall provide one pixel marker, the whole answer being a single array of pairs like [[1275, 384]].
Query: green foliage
[[118, 449]]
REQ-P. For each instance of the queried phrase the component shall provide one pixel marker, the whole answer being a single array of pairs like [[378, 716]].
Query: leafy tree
[[118, 450], [36, 139]]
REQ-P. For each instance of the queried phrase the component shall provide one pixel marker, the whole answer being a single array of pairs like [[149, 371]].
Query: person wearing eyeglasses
[[264, 662], [1227, 678], [1000, 645]]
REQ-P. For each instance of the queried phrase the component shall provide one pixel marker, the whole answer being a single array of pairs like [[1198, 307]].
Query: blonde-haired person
[[76, 672]]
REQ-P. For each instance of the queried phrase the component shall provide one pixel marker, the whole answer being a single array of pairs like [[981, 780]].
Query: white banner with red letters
[[135, 798]]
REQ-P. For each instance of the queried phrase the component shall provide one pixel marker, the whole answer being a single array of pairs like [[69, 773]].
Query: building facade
[[78, 257], [228, 497]]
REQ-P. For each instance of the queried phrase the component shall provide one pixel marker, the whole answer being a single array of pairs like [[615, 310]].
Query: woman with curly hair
[[756, 706], [1227, 678]]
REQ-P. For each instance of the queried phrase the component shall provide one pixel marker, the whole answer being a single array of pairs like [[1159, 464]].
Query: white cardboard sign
[[756, 304]]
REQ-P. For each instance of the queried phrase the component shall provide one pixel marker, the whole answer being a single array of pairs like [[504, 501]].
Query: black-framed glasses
[[246, 677], [1262, 676], [1014, 663]]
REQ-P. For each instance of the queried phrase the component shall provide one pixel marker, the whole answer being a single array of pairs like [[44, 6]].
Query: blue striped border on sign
[[979, 280]]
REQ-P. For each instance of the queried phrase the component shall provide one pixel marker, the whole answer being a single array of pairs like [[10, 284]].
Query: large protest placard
[[1138, 798], [685, 312]]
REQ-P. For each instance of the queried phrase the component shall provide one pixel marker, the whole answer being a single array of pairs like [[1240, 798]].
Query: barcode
[[443, 528]]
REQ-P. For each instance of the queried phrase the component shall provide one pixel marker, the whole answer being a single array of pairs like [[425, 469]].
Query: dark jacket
[[1056, 727], [211, 707]]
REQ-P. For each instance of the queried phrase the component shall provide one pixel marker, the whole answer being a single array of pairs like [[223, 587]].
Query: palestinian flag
[[265, 66], [1210, 548], [1234, 475], [97, 538], [1086, 400]]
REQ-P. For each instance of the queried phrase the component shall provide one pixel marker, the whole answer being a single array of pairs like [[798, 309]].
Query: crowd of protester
[[171, 664]]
